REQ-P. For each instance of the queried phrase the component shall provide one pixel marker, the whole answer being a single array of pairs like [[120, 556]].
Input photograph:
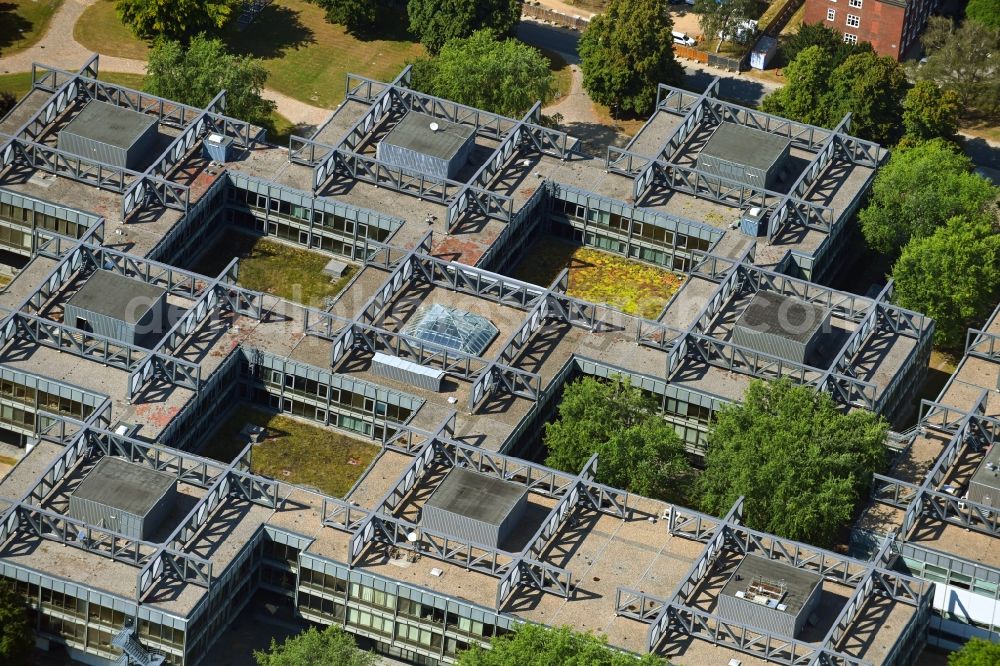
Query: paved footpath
[[58, 48]]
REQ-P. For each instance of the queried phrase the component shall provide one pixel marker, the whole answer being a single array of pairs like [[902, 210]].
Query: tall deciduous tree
[[173, 19], [920, 188], [637, 449], [196, 73], [977, 652], [953, 275], [804, 96], [984, 12], [964, 59], [800, 462], [929, 112], [626, 52], [503, 76], [355, 15], [537, 645], [435, 22], [330, 647], [725, 19], [820, 92], [871, 88], [16, 638]]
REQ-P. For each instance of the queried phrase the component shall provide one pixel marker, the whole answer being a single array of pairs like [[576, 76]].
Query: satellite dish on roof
[[435, 127]]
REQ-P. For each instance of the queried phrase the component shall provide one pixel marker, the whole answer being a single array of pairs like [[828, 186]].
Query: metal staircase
[[133, 653]]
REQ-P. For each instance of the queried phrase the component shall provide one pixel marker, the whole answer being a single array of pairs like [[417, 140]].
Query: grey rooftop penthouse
[[125, 497], [745, 154], [110, 134], [420, 142], [117, 307], [475, 507]]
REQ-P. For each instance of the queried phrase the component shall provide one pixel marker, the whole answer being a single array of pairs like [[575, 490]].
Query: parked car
[[683, 38]]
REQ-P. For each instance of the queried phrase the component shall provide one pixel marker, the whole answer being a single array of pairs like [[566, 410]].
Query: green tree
[[435, 22], [503, 76], [537, 645], [963, 59], [196, 73], [964, 254], [804, 95], [16, 638], [7, 102], [173, 19], [820, 92], [330, 647], [917, 191], [871, 88], [626, 52], [355, 15], [800, 462], [817, 34], [638, 450], [929, 112], [724, 18], [977, 652], [984, 12]]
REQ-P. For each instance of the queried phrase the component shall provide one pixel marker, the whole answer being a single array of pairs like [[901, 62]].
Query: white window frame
[[850, 39], [856, 21], [831, 14], [856, 3]]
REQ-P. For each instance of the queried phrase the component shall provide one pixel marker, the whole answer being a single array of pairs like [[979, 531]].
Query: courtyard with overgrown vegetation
[[272, 267], [294, 451], [600, 277]]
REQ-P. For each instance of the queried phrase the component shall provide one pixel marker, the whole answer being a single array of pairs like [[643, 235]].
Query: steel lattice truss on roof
[[452, 328]]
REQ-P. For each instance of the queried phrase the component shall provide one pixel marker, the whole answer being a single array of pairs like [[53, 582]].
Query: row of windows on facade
[[358, 402], [315, 240], [39, 399], [397, 630], [666, 258], [853, 21], [620, 223], [853, 3], [25, 217], [339, 223], [327, 589], [369, 426], [89, 625]]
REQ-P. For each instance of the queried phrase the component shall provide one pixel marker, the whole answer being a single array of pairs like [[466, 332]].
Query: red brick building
[[892, 26]]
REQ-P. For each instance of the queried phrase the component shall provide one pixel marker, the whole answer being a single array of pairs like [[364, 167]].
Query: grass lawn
[[630, 286], [279, 128], [307, 58], [100, 30], [22, 23], [274, 268], [294, 451], [20, 83]]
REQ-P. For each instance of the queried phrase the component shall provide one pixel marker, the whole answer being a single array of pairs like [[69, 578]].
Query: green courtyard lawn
[[274, 268], [294, 451], [600, 277], [22, 23]]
